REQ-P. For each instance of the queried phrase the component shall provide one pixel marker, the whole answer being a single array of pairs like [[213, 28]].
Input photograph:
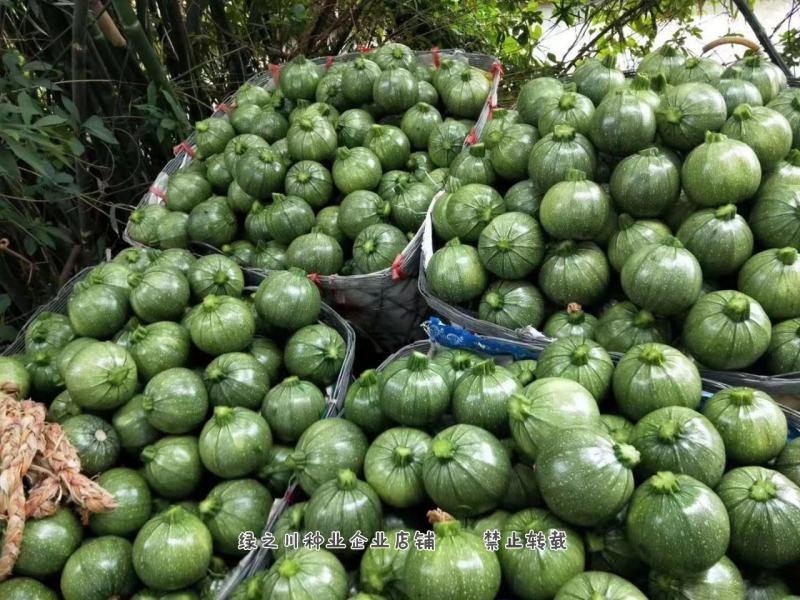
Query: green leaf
[[8, 166], [72, 109], [27, 107], [29, 156], [7, 333], [49, 121], [94, 125], [5, 302]]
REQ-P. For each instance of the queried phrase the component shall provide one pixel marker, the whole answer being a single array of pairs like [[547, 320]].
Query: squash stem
[[787, 256], [738, 309], [485, 367], [575, 314], [669, 431], [494, 300], [763, 490], [742, 396], [580, 356], [566, 102], [402, 456], [743, 112], [208, 507], [726, 212], [627, 455], [643, 319], [652, 356], [443, 449], [368, 378], [595, 542], [288, 568], [417, 362], [665, 482], [346, 479]]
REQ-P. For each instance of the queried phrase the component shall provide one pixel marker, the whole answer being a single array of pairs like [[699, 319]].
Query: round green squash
[[360, 209], [665, 59], [532, 96], [95, 441], [783, 354], [471, 208], [24, 588], [52, 331], [393, 466], [97, 311], [677, 524], [569, 108], [445, 141], [410, 205], [558, 152], [315, 252], [101, 568], [466, 92], [687, 112], [232, 507], [306, 574], [344, 504], [738, 91], [42, 367], [646, 184], [47, 543], [315, 352], [510, 149], [525, 197], [237, 147], [288, 217], [775, 218], [765, 130], [512, 304], [215, 274], [580, 360], [788, 461], [329, 91], [472, 165], [389, 144], [678, 439], [111, 273], [524, 371], [130, 423], [62, 408], [159, 294], [299, 78], [288, 299], [172, 550], [381, 569], [533, 573], [175, 401], [634, 235], [356, 169], [358, 77], [720, 239], [578, 460], [271, 256], [455, 273], [786, 171], [143, 223], [652, 376], [415, 391], [362, 404], [395, 91], [221, 324], [260, 172], [574, 272], [764, 509], [751, 424], [236, 379], [311, 137], [158, 347], [291, 407], [596, 584], [788, 104], [720, 171], [310, 181], [212, 222], [720, 581], [772, 278], [172, 466], [377, 246], [352, 127], [325, 448], [234, 442], [601, 80], [186, 190], [570, 322], [481, 394], [574, 209], [101, 376], [460, 566], [546, 407], [618, 427], [134, 503], [726, 330], [623, 124], [759, 70], [663, 278], [466, 470]]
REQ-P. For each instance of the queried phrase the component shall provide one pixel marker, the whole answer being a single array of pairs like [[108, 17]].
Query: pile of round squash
[[185, 395], [661, 208], [331, 172]]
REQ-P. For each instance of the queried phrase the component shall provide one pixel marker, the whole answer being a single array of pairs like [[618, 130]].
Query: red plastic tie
[[158, 193], [328, 63], [397, 268], [275, 70], [364, 49], [435, 58], [497, 68], [315, 278], [472, 138], [225, 108], [289, 497], [184, 147]]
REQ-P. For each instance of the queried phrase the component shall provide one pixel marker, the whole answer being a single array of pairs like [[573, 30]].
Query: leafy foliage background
[[95, 93]]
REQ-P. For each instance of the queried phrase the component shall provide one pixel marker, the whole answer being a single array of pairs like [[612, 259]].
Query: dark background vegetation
[[95, 93]]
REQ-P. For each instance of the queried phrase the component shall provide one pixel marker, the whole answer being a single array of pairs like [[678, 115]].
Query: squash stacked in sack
[[183, 392], [664, 207], [331, 172]]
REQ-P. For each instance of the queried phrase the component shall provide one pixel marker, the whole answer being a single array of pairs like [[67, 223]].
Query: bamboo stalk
[[107, 25], [236, 61]]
